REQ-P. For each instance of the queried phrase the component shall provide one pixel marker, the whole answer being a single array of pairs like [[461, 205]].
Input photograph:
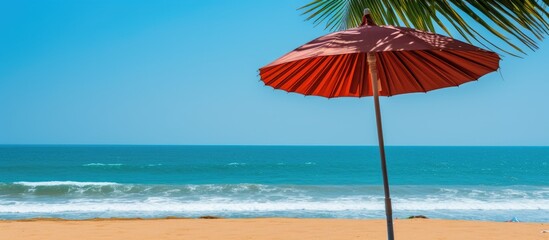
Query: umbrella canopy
[[408, 60], [401, 60]]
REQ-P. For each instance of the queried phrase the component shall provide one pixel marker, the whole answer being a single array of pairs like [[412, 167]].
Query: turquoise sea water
[[482, 183]]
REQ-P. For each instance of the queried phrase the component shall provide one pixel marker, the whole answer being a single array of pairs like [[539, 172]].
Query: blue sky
[[185, 72]]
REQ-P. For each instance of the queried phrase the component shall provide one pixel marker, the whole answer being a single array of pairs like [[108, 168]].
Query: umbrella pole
[[375, 88]]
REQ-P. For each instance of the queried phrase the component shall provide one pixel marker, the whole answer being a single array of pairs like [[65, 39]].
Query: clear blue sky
[[185, 72]]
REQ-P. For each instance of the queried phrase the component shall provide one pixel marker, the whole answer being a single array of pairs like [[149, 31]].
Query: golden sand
[[267, 228]]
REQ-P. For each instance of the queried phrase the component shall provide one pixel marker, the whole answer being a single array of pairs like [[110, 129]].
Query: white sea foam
[[93, 199], [236, 164], [154, 165], [64, 183], [221, 204], [102, 164]]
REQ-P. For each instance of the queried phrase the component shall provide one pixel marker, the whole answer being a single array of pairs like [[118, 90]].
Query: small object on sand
[[418, 216], [545, 231], [209, 217]]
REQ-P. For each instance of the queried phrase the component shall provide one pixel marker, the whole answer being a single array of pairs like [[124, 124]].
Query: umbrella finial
[[367, 18]]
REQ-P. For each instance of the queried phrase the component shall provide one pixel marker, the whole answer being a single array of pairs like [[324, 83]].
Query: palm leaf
[[518, 24]]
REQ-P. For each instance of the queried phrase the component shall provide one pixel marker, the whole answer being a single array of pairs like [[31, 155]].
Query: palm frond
[[518, 24]]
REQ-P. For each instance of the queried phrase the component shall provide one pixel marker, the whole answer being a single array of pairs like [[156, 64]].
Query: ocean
[[103, 181]]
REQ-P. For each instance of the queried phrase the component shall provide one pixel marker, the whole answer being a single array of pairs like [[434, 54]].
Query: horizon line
[[253, 145]]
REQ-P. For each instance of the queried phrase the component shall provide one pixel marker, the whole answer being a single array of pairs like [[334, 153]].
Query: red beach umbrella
[[372, 60]]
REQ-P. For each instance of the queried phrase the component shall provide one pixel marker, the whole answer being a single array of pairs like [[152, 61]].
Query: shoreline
[[57, 219], [265, 228]]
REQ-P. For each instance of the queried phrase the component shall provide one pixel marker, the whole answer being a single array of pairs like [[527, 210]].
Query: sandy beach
[[267, 228]]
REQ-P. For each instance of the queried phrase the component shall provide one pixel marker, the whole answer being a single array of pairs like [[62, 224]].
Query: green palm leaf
[[518, 24]]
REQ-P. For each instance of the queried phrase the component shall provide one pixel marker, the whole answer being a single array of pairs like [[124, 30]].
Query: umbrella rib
[[437, 80], [331, 79], [405, 66], [393, 74], [341, 81], [451, 63], [308, 71], [464, 70], [432, 69], [343, 73], [381, 63], [470, 59], [320, 76], [326, 79], [448, 63], [280, 72], [354, 81], [436, 67], [362, 69]]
